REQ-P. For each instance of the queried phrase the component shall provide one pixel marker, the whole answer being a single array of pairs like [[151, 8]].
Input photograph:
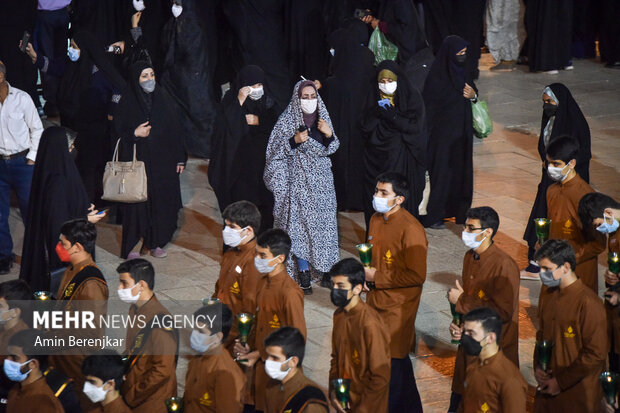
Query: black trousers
[[404, 396]]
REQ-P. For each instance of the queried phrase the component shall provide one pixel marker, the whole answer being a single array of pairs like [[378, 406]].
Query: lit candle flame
[[342, 389], [244, 318], [609, 379], [615, 258]]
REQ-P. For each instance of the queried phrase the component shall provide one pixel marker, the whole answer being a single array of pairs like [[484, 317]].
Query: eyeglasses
[[470, 228]]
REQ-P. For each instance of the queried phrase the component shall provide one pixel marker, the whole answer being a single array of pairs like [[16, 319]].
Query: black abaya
[[549, 33], [57, 195], [396, 140], [450, 151], [403, 27], [609, 34], [569, 120], [156, 219], [238, 161], [346, 94]]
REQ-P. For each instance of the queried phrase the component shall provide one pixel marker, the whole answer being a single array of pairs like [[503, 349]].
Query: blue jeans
[[15, 174]]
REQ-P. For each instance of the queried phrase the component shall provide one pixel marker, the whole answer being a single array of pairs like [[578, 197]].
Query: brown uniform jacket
[[152, 378], [279, 394], [237, 284], [574, 318], [117, 405], [562, 202], [36, 397], [494, 385], [613, 317], [280, 303], [361, 353], [490, 279], [214, 383], [399, 255]]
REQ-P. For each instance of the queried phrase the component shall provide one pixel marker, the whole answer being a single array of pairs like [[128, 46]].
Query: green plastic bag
[[483, 125], [382, 47]]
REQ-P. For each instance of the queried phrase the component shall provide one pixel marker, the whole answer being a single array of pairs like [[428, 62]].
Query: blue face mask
[[12, 369], [547, 279], [381, 204], [74, 54], [606, 228]]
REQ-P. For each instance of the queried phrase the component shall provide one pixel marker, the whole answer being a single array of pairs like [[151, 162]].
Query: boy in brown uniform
[[104, 377], [360, 343], [493, 382], [31, 394], [238, 280], [288, 389], [214, 382], [151, 376], [562, 205], [573, 317], [280, 303], [398, 271], [490, 279]]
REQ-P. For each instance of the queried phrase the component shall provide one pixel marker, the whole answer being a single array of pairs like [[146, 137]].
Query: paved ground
[[507, 171]]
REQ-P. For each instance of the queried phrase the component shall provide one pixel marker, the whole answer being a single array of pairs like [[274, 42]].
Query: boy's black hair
[[105, 365], [244, 214], [488, 217], [564, 148], [489, 319], [591, 206], [350, 267], [140, 270], [290, 340], [82, 231], [399, 182], [26, 340], [277, 240], [226, 318], [558, 252]]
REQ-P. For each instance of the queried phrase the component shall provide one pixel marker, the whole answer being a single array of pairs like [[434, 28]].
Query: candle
[[542, 229], [174, 404], [613, 261], [244, 325], [42, 295], [365, 253]]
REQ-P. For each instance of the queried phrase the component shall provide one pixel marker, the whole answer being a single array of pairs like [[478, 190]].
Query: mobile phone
[[103, 211], [114, 49], [25, 41], [360, 13], [302, 128], [384, 103]]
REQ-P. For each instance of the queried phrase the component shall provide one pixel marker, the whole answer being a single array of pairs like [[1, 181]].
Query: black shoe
[[438, 225], [326, 281], [305, 282], [6, 264]]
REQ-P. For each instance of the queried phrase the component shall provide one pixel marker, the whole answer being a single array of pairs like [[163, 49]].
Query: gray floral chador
[[302, 184]]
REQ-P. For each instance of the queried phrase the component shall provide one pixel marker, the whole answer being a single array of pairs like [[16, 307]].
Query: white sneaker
[[551, 72], [569, 67]]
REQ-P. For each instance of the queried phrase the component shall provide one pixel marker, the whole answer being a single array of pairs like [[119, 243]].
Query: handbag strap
[[135, 159], [115, 156]]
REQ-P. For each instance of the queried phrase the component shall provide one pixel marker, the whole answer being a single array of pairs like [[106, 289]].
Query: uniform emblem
[[484, 408], [356, 357], [69, 290], [569, 333], [138, 342], [205, 400], [482, 295], [275, 322], [568, 228], [388, 257], [235, 288], [238, 269]]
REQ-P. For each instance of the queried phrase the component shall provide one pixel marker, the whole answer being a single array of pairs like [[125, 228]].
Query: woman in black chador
[[147, 117]]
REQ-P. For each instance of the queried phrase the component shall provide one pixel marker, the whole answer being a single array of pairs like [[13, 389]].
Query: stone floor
[[507, 171]]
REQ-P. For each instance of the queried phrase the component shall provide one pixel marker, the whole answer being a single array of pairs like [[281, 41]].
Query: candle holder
[[542, 229], [544, 349], [341, 388], [456, 319], [609, 381], [42, 295], [365, 253], [244, 325], [210, 301], [613, 261], [174, 405]]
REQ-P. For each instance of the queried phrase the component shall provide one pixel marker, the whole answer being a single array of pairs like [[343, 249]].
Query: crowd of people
[[299, 120]]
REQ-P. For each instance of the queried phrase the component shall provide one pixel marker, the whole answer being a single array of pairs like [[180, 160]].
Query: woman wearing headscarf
[[396, 136], [146, 117], [549, 26], [561, 116], [346, 93], [447, 95], [298, 173], [57, 195], [247, 116]]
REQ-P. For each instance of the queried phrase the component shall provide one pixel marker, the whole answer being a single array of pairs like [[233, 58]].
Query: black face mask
[[339, 297], [550, 109], [470, 345], [460, 59]]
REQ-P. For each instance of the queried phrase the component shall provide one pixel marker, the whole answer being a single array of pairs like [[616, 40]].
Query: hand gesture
[[318, 84], [180, 168], [143, 130], [611, 278], [301, 137], [92, 216], [373, 21], [455, 293], [612, 298], [325, 129], [336, 404], [469, 92], [252, 120], [135, 19], [244, 92], [455, 331]]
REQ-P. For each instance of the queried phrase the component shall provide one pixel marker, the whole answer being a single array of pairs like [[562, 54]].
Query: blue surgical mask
[[12, 369], [148, 85], [262, 264], [606, 228], [198, 341], [381, 204], [547, 279], [74, 54]]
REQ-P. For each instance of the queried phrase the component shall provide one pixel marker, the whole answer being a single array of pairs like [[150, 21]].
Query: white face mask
[[94, 393], [381, 204], [388, 88], [274, 369], [555, 173], [256, 92], [138, 5], [176, 10], [469, 239], [5, 316], [262, 264], [198, 341], [308, 106], [232, 237], [126, 296]]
